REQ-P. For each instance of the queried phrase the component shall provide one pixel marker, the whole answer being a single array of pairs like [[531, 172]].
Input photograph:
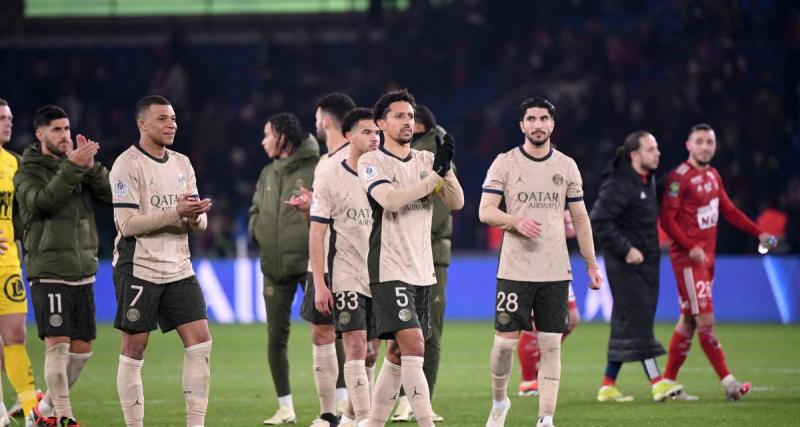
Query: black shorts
[[142, 306], [353, 312], [515, 300], [64, 310], [397, 305], [308, 310]]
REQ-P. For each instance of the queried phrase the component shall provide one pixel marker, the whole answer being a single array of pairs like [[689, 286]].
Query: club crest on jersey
[[369, 172], [120, 188], [404, 315], [674, 189], [344, 318], [133, 314], [558, 179]]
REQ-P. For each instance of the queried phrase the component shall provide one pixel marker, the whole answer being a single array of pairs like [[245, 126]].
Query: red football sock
[[678, 350], [528, 351], [713, 350]]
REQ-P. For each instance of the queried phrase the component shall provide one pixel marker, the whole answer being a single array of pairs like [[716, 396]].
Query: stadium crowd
[[611, 67]]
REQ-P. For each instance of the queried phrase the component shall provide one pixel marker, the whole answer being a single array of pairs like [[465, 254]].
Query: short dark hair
[[147, 101], [287, 125], [336, 104], [353, 117], [632, 143], [536, 102], [44, 115], [700, 126], [3, 102], [424, 116], [382, 106]]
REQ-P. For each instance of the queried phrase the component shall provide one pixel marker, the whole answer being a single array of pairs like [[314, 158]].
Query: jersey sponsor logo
[[360, 216], [540, 199], [422, 204], [369, 172], [708, 215], [120, 188], [56, 320], [558, 179], [14, 288], [163, 201], [404, 314], [674, 189], [696, 180]]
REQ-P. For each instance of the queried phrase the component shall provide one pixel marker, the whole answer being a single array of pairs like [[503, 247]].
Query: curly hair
[[288, 131], [353, 117], [382, 106]]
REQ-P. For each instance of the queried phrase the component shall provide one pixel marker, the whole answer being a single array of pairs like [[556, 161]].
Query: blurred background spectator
[[611, 67]]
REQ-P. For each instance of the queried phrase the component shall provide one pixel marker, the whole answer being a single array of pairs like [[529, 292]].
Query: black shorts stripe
[[377, 183], [492, 191], [321, 219], [126, 248], [374, 254], [126, 205], [331, 253]]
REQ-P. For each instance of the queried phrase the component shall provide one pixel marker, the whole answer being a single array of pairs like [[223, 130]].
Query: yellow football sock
[[20, 375]]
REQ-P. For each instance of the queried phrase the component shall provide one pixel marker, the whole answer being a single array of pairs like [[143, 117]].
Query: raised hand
[[301, 202], [191, 207], [83, 155], [444, 154]]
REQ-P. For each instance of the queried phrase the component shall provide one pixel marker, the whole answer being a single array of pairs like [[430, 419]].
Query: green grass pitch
[[242, 392]]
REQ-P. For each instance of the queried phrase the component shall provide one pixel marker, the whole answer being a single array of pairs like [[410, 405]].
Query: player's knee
[[14, 336], [322, 335], [134, 350]]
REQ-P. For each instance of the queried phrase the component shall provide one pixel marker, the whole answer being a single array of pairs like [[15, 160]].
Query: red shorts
[[694, 288]]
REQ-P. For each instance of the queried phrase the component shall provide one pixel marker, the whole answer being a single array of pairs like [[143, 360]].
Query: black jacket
[[625, 212], [625, 215]]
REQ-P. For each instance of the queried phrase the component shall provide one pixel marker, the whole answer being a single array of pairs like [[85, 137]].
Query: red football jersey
[[690, 207]]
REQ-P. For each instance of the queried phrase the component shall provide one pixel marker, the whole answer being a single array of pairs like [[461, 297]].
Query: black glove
[[444, 154]]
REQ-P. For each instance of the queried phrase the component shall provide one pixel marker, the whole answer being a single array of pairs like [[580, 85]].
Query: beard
[[53, 147], [536, 142], [701, 162], [321, 135]]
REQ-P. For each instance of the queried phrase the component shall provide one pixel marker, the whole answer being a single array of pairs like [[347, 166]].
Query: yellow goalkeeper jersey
[[8, 167]]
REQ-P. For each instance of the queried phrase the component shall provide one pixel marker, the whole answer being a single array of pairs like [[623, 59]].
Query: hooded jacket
[[55, 199], [279, 230], [625, 213]]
